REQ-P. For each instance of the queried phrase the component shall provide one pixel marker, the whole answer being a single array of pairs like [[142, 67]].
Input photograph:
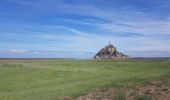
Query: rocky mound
[[109, 52]]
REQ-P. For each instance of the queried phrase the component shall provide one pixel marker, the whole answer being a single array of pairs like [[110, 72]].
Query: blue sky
[[79, 28]]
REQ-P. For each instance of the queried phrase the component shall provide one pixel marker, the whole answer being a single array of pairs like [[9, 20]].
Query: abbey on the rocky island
[[109, 52]]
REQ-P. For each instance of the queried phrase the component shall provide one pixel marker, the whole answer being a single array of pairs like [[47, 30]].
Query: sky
[[80, 28]]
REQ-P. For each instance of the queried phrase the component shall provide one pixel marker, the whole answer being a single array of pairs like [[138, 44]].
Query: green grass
[[50, 79], [119, 96]]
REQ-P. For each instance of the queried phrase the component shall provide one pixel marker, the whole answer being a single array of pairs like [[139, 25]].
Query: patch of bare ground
[[156, 90], [65, 98], [104, 94]]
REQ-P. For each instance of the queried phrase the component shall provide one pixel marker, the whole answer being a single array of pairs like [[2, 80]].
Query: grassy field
[[50, 79]]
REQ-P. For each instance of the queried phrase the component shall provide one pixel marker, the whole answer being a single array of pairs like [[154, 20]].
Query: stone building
[[109, 52]]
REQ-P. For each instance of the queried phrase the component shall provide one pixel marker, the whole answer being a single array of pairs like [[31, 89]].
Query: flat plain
[[54, 79]]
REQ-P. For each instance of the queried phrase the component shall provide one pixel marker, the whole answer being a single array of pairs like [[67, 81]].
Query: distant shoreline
[[135, 58], [34, 58]]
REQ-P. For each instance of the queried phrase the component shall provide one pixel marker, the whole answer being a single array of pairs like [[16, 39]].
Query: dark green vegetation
[[50, 79]]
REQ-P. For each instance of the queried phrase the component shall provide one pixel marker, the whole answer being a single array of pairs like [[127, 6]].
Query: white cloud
[[15, 51], [149, 53], [122, 20], [144, 27]]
